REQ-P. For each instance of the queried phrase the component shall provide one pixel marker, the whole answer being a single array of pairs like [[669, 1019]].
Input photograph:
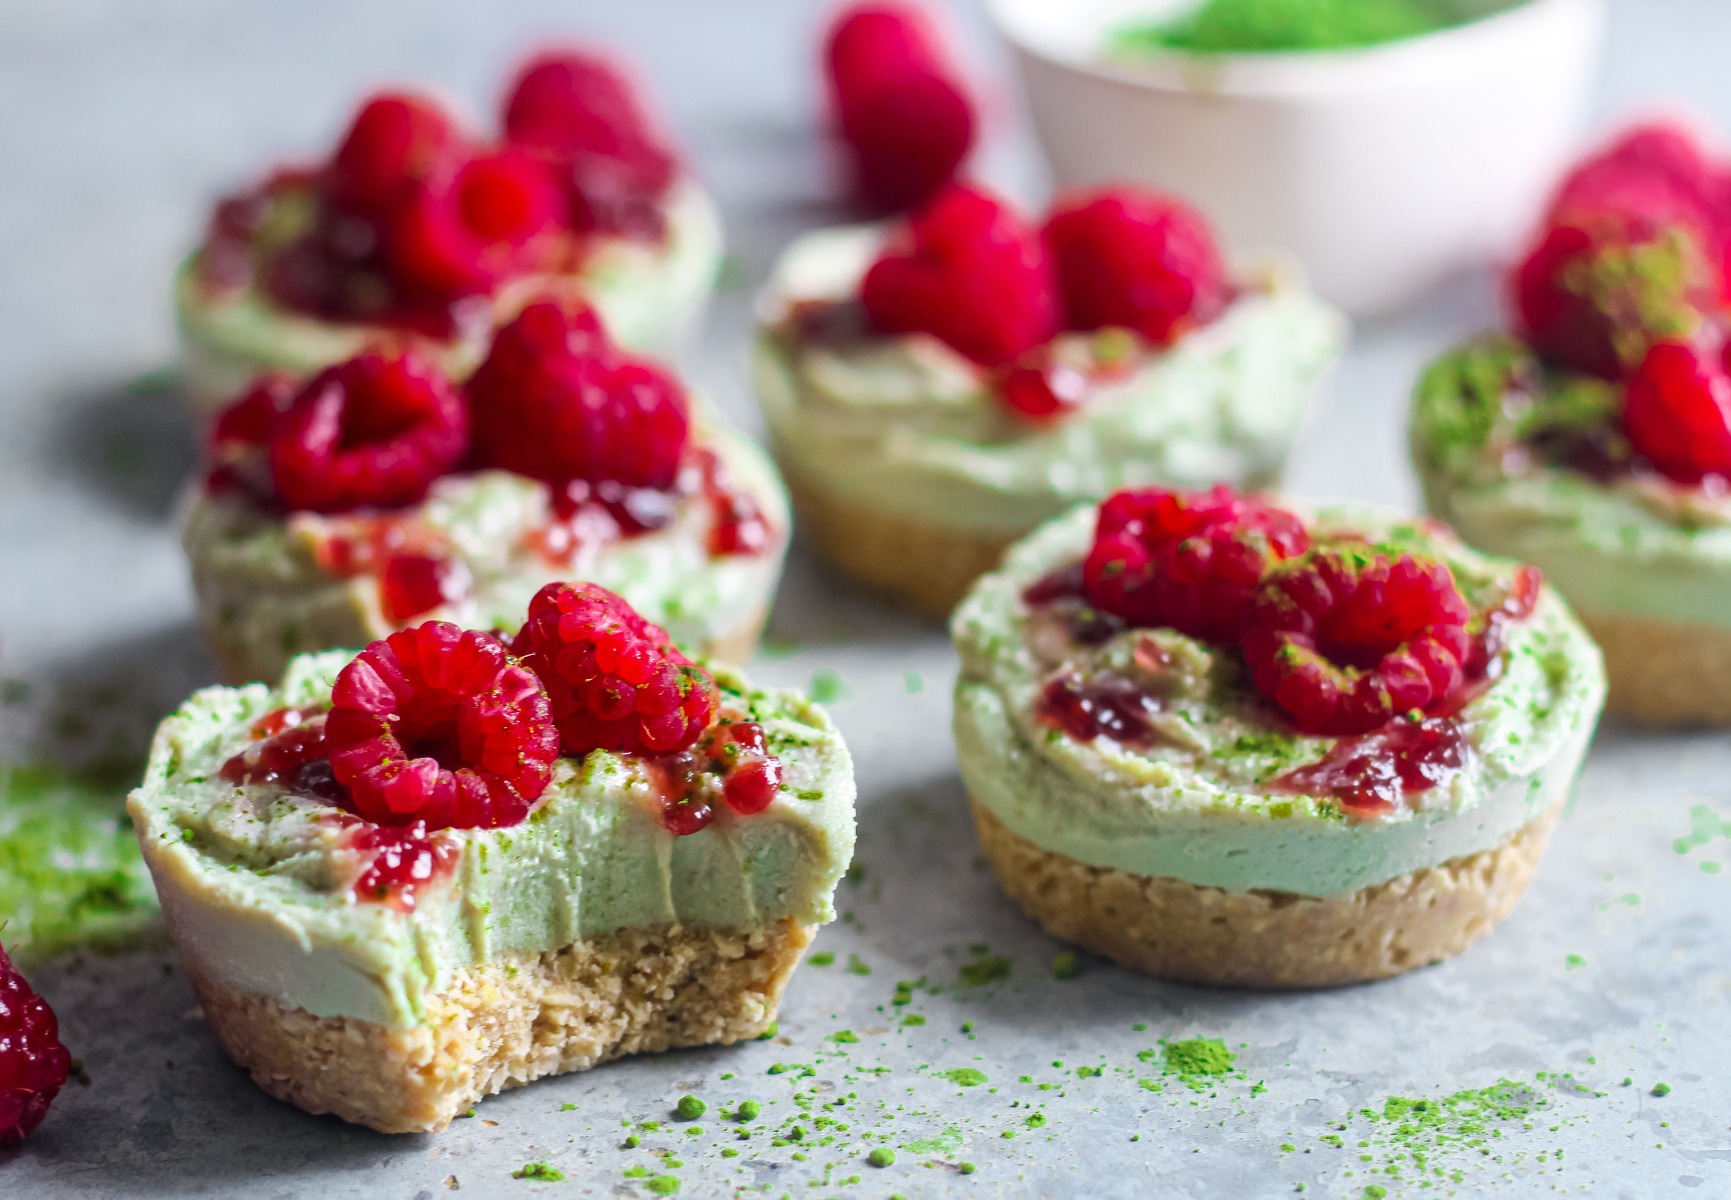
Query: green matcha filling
[[70, 872], [1264, 26]]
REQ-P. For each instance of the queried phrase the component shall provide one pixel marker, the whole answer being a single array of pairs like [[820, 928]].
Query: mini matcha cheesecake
[[406, 880], [378, 495], [1214, 741], [934, 392], [1595, 440], [416, 234]]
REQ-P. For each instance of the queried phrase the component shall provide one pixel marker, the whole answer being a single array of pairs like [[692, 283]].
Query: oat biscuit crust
[[925, 566], [1664, 672], [503, 1024], [1178, 930]]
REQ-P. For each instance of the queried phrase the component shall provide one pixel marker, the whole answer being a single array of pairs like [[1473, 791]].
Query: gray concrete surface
[[119, 121]]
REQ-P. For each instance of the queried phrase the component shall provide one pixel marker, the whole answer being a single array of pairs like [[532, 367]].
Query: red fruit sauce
[[288, 741], [731, 764], [1371, 774], [1065, 593], [411, 560], [404, 859], [1105, 705]]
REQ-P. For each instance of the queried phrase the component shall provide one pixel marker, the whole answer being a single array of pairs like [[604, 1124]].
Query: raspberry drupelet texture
[[436, 725], [555, 400], [579, 112], [1677, 412], [1188, 560], [1598, 291], [399, 142], [33, 1063], [373, 432], [1343, 639], [616, 681], [237, 449], [902, 110], [1137, 259], [969, 271]]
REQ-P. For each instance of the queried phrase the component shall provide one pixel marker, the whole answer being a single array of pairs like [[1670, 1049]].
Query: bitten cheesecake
[[408, 879], [418, 233], [1595, 441], [378, 494], [935, 390], [1215, 741]]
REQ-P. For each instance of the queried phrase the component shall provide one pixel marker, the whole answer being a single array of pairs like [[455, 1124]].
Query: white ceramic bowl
[[1383, 169]]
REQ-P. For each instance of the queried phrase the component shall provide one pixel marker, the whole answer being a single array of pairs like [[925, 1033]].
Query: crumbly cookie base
[[1664, 672], [1182, 931], [925, 566], [501, 1025]]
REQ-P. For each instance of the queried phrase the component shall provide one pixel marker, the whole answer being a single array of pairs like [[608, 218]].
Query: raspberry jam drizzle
[[731, 765], [288, 747], [412, 562], [1105, 705], [1064, 593], [1372, 774], [587, 517], [403, 859]]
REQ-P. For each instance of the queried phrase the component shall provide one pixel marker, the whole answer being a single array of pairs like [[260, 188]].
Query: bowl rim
[[1454, 52]]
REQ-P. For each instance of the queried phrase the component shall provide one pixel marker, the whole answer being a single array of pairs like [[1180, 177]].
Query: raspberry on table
[[903, 111], [437, 725], [1343, 639], [969, 271], [33, 1064], [1136, 259], [580, 112], [1597, 291], [555, 400], [1677, 412], [372, 432], [616, 681], [1186, 560]]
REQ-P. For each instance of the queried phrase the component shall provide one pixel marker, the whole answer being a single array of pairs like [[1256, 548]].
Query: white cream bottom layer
[[651, 297], [1237, 849]]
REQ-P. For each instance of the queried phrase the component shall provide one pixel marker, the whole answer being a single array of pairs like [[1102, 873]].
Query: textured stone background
[[118, 123]]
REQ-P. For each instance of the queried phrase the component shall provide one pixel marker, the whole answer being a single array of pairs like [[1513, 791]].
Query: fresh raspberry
[[557, 401], [580, 111], [1344, 640], [398, 141], [1595, 293], [1658, 172], [1186, 560], [617, 682], [33, 1063], [1137, 259], [237, 450], [970, 272], [904, 113], [1677, 412], [461, 239], [373, 432], [752, 776], [435, 724]]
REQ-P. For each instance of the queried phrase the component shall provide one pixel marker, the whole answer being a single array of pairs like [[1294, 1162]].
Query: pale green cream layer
[[651, 296], [1629, 547], [262, 592], [1197, 806], [256, 882], [906, 425]]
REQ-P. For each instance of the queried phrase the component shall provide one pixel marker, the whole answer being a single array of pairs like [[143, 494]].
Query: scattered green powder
[[1067, 965], [1574, 962], [663, 1185], [1251, 26], [966, 1168], [567, 1108], [1375, 1192], [822, 958], [1661, 1089], [844, 1036], [1705, 824], [690, 1108], [882, 1156], [856, 965], [826, 686], [964, 1076], [748, 1110], [70, 871], [912, 681], [947, 1142], [540, 1172], [774, 1028], [986, 968], [1198, 1060]]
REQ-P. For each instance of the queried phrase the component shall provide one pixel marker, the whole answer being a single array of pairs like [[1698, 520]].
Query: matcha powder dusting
[[1198, 1056]]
